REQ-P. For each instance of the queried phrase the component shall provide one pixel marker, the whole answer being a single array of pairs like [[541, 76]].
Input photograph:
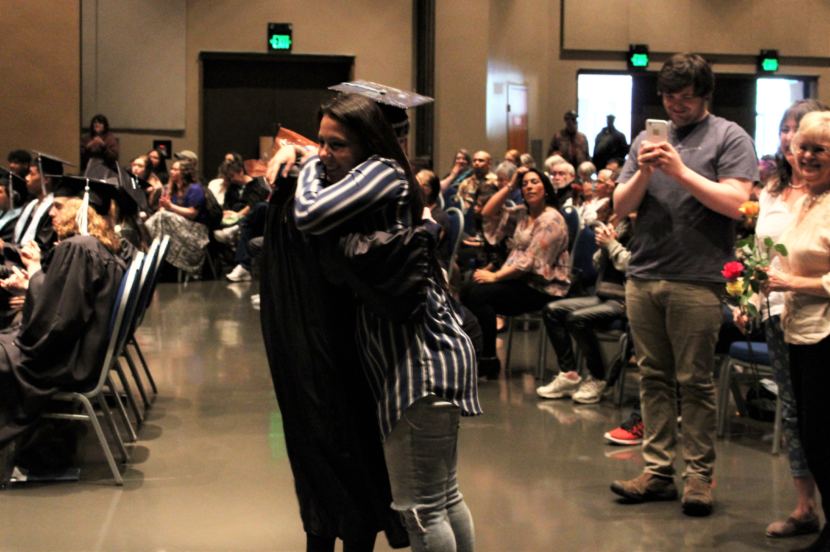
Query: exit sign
[[280, 37]]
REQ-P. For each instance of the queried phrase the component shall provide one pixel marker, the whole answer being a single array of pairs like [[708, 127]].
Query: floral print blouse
[[539, 249]]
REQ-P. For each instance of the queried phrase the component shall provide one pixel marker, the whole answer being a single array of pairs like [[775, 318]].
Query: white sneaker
[[239, 274], [590, 391], [563, 385], [228, 235]]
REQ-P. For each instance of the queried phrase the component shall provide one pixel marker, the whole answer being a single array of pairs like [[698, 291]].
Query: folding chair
[[125, 303]]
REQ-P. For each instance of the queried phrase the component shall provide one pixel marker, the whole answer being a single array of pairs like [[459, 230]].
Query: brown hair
[[97, 226]]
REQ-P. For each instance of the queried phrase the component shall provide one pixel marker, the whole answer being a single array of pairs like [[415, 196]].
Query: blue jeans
[[421, 456]]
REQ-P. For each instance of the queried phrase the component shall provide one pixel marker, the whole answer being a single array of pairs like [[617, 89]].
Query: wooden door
[[517, 133]]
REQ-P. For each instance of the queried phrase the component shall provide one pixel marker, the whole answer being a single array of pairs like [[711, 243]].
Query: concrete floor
[[210, 470]]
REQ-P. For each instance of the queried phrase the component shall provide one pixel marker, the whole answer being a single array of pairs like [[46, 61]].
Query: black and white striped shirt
[[403, 361]]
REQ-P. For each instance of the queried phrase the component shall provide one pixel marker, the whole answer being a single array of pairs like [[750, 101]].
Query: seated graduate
[[69, 297], [34, 223], [10, 207]]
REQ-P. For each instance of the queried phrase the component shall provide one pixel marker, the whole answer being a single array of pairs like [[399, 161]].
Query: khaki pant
[[675, 328]]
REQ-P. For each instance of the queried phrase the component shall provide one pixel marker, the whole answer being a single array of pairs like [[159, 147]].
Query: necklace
[[812, 199], [794, 187]]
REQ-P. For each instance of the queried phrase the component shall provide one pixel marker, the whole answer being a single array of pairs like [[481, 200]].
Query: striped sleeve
[[318, 209]]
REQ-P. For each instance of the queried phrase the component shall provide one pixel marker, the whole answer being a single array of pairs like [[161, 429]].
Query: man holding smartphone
[[686, 191]]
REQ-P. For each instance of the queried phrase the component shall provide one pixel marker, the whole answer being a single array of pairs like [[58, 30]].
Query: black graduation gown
[[331, 429], [62, 340]]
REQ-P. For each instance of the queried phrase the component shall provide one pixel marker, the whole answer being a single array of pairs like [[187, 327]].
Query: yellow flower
[[750, 209], [735, 288]]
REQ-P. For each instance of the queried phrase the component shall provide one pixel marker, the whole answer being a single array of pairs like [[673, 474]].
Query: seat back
[[149, 271], [571, 216], [119, 317], [583, 272]]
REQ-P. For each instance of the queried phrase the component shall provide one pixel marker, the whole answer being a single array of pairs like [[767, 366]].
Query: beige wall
[[39, 62], [481, 45], [381, 44]]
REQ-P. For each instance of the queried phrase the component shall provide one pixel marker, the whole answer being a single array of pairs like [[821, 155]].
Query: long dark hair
[[550, 194], [99, 118], [784, 172], [159, 170], [367, 123]]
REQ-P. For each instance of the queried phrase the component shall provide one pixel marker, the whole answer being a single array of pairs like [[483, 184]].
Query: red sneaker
[[630, 432]]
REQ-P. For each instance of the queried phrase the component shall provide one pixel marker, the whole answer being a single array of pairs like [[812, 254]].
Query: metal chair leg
[[134, 342], [139, 418], [131, 435], [137, 378], [102, 439]]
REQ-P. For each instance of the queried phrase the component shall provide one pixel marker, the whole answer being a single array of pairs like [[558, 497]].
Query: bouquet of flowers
[[746, 276]]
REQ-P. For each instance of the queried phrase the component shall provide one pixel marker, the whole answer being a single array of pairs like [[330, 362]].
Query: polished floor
[[210, 471]]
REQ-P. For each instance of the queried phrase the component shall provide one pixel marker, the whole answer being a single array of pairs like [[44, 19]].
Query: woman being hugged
[[422, 370], [804, 277]]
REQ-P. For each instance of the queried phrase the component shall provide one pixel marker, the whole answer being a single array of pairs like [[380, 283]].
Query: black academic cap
[[49, 164], [101, 193], [131, 194], [393, 101], [15, 182]]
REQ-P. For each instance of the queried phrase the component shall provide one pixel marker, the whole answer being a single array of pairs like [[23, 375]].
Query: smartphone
[[657, 130]]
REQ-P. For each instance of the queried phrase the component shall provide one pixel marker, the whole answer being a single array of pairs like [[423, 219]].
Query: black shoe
[[489, 367], [821, 544], [7, 455]]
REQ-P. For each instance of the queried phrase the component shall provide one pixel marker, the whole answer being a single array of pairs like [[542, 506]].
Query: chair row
[[133, 298]]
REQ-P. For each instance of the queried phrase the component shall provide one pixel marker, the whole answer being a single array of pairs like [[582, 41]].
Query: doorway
[[517, 132]]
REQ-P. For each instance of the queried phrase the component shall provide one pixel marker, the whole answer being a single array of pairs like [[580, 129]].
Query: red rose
[[732, 270]]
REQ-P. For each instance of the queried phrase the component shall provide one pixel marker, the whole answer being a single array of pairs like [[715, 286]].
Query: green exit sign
[[280, 37], [639, 60], [768, 61]]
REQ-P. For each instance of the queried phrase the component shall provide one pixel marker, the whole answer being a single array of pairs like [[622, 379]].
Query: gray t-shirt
[[675, 236]]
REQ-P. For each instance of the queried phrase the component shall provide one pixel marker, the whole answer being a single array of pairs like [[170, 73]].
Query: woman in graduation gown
[[331, 434], [63, 336]]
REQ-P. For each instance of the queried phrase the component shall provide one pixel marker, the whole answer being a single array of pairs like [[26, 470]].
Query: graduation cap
[[97, 194], [15, 185], [393, 101], [132, 195], [48, 164]]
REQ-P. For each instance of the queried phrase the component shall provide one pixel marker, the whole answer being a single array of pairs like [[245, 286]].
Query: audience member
[[562, 177], [687, 201], [609, 143], [569, 142], [526, 160], [431, 188], [784, 187], [598, 207], [182, 216], [513, 156], [804, 277], [461, 169], [537, 267], [578, 318], [158, 165], [99, 150]]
